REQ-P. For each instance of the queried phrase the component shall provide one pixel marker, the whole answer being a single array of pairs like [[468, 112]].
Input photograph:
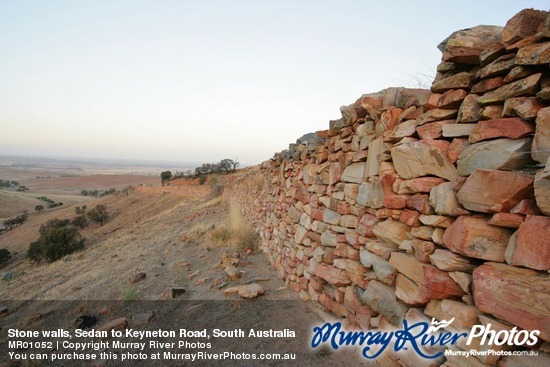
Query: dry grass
[[235, 232]]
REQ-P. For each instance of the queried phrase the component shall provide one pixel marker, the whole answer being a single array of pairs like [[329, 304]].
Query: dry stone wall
[[432, 203]]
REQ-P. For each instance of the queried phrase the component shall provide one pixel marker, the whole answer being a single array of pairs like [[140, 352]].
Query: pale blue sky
[[206, 80]]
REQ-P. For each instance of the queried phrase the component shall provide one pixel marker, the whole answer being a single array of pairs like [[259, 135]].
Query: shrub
[[5, 256], [56, 240], [80, 221], [39, 208], [99, 214]]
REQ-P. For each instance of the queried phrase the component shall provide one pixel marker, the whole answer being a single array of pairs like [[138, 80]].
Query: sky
[[199, 81]]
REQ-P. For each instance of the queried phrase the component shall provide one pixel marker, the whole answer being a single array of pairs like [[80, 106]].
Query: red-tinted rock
[[466, 45], [452, 99], [512, 127], [491, 112], [422, 184], [533, 243], [473, 237], [522, 87], [517, 295], [463, 80], [432, 282], [458, 145], [332, 275], [487, 84], [491, 53], [506, 220], [523, 24], [536, 54], [495, 191], [421, 203], [470, 109], [410, 217], [528, 110], [432, 130], [540, 150]]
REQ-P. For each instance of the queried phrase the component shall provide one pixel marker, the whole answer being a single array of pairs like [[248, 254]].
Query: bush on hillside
[[5, 256], [57, 239], [99, 214]]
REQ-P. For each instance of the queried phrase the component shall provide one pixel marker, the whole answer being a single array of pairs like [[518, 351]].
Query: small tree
[[39, 208], [55, 242], [99, 214], [5, 256], [165, 176]]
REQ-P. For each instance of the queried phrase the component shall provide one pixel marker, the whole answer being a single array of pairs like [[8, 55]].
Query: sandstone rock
[[376, 147], [420, 202], [449, 261], [506, 220], [529, 109], [349, 221], [519, 296], [432, 130], [232, 272], [371, 194], [354, 173], [522, 87], [432, 282], [544, 94], [542, 189], [500, 66], [436, 220], [494, 191], [366, 224], [444, 201], [246, 291], [418, 185], [404, 129], [382, 268], [422, 249], [464, 280], [532, 248], [491, 53], [300, 235], [457, 130], [333, 306], [458, 145], [466, 45], [503, 154], [381, 298], [437, 114], [523, 24], [421, 158], [470, 109], [491, 112], [391, 231], [473, 237], [517, 72], [464, 316], [463, 80], [540, 150], [486, 85], [513, 128], [332, 275], [331, 217], [452, 99], [329, 239], [510, 104]]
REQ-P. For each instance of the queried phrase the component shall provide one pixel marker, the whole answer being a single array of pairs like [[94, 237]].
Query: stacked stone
[[433, 201]]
